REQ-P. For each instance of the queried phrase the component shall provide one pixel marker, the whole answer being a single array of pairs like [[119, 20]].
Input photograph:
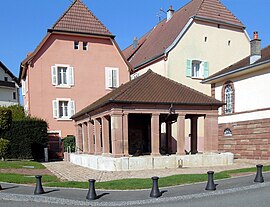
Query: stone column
[[194, 135], [169, 137], [125, 133], [105, 135], [85, 137], [117, 135], [79, 142], [91, 146], [211, 133], [97, 137], [155, 126], [180, 135]]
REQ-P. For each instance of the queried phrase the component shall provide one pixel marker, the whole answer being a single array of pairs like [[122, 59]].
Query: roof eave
[[215, 78], [240, 26], [80, 33]]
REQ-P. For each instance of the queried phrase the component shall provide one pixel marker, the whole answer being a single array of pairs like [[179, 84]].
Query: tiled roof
[[14, 78], [78, 18], [151, 88], [265, 55], [165, 33]]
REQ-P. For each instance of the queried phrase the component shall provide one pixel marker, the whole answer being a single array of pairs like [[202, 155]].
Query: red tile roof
[[244, 63], [78, 18], [151, 88], [166, 32]]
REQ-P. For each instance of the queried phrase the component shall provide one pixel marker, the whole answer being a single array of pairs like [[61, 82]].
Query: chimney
[[170, 13], [135, 43], [255, 48]]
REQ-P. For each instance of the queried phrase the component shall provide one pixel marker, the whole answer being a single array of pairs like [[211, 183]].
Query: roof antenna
[[159, 14]]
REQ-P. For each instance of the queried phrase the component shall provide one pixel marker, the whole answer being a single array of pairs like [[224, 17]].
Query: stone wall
[[249, 139]]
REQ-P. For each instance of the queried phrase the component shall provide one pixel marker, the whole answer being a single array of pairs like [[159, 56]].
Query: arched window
[[227, 132], [228, 92]]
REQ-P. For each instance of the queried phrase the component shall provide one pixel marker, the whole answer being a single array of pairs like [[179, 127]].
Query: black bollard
[[91, 195], [1, 187], [39, 188], [155, 193], [210, 184], [259, 176]]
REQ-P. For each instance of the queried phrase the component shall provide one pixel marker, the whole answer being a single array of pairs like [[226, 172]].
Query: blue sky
[[24, 23]]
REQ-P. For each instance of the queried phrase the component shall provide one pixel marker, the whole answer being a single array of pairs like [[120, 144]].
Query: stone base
[[96, 162]]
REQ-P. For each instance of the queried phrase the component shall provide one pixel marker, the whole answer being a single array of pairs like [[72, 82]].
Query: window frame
[[69, 76], [203, 69], [70, 109], [110, 71], [227, 132], [225, 111]]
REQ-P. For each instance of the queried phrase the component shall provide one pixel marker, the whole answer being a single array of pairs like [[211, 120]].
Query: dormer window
[[85, 45], [76, 45]]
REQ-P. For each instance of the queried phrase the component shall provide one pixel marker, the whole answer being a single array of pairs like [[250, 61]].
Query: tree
[[3, 148]]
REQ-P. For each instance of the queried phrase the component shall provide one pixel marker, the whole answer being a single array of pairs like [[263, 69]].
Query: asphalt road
[[241, 191]]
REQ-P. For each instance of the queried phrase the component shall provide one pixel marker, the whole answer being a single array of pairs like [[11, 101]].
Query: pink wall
[[89, 75]]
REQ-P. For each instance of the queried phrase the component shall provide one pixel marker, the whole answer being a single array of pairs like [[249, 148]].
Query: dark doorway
[[139, 134]]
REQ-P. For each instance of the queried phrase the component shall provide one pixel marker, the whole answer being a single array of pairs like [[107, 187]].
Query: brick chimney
[[255, 48], [170, 13]]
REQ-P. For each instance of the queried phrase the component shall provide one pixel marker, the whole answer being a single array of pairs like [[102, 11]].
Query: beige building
[[189, 45], [245, 119]]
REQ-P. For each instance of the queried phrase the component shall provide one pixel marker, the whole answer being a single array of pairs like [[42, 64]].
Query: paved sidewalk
[[71, 172]]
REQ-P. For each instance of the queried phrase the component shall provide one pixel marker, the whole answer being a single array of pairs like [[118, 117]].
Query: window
[[85, 45], [63, 108], [228, 99], [227, 132], [62, 75], [76, 45], [14, 95], [112, 77], [6, 79], [197, 69]]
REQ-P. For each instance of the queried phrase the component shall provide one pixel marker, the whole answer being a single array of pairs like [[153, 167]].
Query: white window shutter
[[55, 109], [108, 77], [54, 75], [23, 87], [71, 76], [71, 108], [116, 77]]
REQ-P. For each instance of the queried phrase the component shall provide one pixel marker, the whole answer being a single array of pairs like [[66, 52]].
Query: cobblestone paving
[[71, 172]]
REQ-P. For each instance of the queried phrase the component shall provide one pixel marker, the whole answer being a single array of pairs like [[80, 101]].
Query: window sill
[[63, 86], [64, 119], [197, 78]]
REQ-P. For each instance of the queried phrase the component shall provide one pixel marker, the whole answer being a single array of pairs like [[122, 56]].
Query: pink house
[[77, 62]]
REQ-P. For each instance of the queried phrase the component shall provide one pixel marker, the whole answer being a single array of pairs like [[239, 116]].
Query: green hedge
[[5, 119], [69, 141], [27, 137]]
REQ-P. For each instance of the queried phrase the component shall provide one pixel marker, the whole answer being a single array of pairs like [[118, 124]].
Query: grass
[[20, 164], [124, 184], [25, 179]]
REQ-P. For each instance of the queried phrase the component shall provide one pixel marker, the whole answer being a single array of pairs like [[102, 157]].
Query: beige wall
[[251, 93], [89, 76]]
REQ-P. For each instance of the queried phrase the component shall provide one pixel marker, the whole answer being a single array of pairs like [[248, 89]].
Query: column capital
[[155, 114]]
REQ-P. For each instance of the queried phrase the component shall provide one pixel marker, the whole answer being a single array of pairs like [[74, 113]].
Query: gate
[[55, 147]]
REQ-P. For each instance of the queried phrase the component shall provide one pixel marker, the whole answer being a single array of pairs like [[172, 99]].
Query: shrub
[[3, 148], [69, 141], [5, 119], [17, 112], [28, 138]]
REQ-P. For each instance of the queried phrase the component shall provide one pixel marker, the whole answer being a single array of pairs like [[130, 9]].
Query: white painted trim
[[249, 116], [55, 131], [181, 34]]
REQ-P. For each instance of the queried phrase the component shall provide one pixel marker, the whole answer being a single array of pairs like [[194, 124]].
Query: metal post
[[155, 193], [259, 176], [1, 187], [39, 188], [210, 184], [91, 195]]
